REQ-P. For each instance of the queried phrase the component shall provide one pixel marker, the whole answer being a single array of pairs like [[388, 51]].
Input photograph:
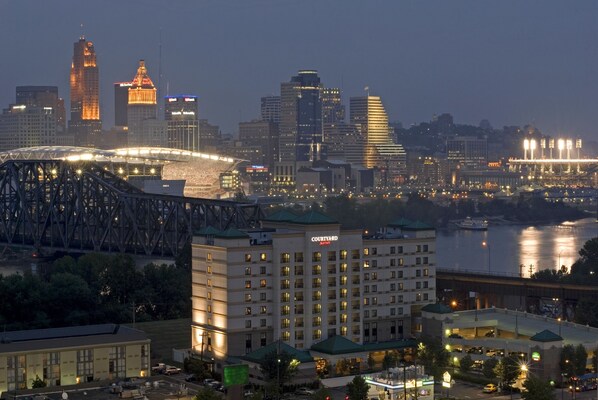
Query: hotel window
[[393, 287], [418, 248], [262, 322], [425, 248], [247, 310], [343, 267], [263, 296], [366, 301], [418, 260], [285, 323], [247, 297], [85, 364], [298, 257], [285, 310], [284, 271], [366, 252], [393, 249], [425, 260], [316, 283], [209, 308], [263, 270], [374, 251], [317, 295], [418, 297], [144, 356], [263, 257], [400, 286], [316, 256], [209, 295], [298, 283], [343, 280], [263, 310], [393, 299], [400, 260], [366, 289], [366, 264], [316, 270], [332, 256], [285, 284], [343, 331], [116, 362], [374, 301], [366, 276], [343, 254], [248, 343], [247, 284], [343, 294], [374, 288], [374, 263], [286, 336], [247, 257], [400, 298], [374, 276], [298, 335], [298, 270], [366, 313], [400, 310], [208, 256], [316, 321], [262, 283], [374, 313], [247, 270], [400, 275], [52, 369], [418, 273], [285, 297], [343, 318], [209, 284], [393, 274], [209, 269], [425, 296], [285, 258], [392, 311], [247, 323], [400, 249], [418, 285], [317, 334], [343, 306], [425, 284], [355, 254], [393, 262]]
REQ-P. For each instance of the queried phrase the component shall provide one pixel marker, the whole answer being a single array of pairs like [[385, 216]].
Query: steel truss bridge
[[80, 206]]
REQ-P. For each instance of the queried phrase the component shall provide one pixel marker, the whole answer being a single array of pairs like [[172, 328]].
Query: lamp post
[[487, 246]]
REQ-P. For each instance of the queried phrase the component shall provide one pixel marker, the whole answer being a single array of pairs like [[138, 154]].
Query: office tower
[[43, 96], [263, 135], [85, 120], [270, 110], [466, 150], [182, 117], [300, 136], [369, 115], [26, 126], [121, 101], [333, 111]]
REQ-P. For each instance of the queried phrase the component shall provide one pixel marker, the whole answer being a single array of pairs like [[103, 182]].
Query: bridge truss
[[83, 207]]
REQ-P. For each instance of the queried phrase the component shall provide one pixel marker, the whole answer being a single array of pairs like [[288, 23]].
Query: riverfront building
[[306, 281]]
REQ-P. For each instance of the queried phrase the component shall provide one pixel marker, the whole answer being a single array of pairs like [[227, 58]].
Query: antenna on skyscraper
[[82, 34], [160, 111], [367, 90]]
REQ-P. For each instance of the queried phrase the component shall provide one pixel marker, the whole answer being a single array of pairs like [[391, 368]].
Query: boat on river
[[473, 224]]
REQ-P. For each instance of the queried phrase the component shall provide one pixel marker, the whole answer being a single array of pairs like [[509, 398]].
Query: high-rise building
[[467, 150], [264, 135], [181, 113], [333, 110], [85, 120], [27, 126], [369, 115], [301, 118], [121, 101], [270, 110], [210, 135], [43, 96]]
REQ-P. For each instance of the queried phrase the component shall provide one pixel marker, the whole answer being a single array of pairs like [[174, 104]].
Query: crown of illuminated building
[[142, 90]]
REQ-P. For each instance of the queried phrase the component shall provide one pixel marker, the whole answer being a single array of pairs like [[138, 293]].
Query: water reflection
[[512, 249]]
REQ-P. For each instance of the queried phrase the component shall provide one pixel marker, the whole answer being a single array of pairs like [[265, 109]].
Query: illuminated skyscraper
[[370, 117], [43, 96], [333, 111], [182, 116], [85, 94]]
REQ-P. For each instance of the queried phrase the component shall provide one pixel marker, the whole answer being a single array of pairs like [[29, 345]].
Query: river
[[502, 249]]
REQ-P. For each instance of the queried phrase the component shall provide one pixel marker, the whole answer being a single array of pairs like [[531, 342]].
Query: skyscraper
[[43, 96], [301, 118], [26, 126], [85, 94], [370, 117], [333, 110], [270, 109], [121, 100], [182, 116]]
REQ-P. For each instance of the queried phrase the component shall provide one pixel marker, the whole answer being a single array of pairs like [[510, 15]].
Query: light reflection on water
[[514, 249]]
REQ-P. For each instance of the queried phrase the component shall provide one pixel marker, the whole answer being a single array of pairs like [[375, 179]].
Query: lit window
[[247, 297], [262, 283], [285, 257], [247, 284], [209, 257], [263, 257], [209, 269], [209, 295], [247, 257], [247, 270], [247, 310], [209, 283]]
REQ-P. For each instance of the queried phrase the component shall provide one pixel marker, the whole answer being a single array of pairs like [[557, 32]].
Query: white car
[[303, 391]]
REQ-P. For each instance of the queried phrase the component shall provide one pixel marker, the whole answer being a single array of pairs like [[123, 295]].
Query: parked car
[[208, 381], [490, 388], [170, 370], [303, 391], [191, 378], [455, 336], [159, 368]]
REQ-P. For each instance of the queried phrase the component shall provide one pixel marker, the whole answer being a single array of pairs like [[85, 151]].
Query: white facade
[[304, 282]]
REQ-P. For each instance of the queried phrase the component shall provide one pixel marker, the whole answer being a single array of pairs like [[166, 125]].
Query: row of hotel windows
[[331, 255], [16, 366]]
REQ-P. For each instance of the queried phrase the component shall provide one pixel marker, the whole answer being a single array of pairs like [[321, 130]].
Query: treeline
[[95, 288], [380, 212]]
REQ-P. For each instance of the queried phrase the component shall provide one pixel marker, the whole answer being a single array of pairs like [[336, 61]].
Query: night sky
[[512, 62]]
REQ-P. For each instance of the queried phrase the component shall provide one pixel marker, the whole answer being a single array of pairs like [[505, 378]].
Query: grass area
[[166, 335]]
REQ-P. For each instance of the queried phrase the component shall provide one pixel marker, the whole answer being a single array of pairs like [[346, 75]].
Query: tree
[[278, 368], [507, 370], [465, 364], [537, 389], [433, 356], [358, 389], [586, 311], [196, 367], [206, 393], [580, 359], [37, 383], [488, 368], [389, 360], [371, 361], [567, 360], [322, 394]]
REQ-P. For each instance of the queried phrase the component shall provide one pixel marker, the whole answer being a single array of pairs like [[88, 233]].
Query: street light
[[487, 245]]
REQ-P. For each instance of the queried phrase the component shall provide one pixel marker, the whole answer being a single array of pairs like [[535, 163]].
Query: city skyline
[[510, 62]]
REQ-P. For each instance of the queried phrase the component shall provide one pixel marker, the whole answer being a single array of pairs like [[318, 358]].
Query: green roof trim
[[208, 231], [281, 216], [546, 336], [337, 345], [391, 345], [232, 233], [418, 226], [260, 354], [401, 222], [437, 308], [313, 218]]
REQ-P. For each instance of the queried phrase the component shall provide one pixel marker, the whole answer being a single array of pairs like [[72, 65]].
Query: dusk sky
[[512, 62]]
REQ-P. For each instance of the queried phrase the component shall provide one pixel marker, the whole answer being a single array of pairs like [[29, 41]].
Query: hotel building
[[303, 280]]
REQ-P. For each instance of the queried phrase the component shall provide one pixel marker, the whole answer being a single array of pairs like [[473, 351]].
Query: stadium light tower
[[532, 147], [525, 148], [561, 145]]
